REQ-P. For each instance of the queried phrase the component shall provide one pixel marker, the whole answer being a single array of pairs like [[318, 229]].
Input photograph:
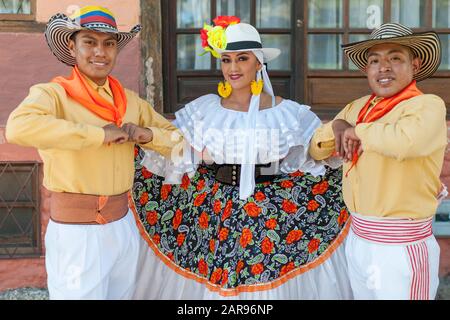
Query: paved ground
[[42, 294]]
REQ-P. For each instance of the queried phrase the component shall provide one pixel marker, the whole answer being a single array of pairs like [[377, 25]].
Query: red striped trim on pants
[[420, 283], [410, 233]]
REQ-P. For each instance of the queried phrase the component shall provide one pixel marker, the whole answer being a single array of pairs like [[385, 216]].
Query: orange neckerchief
[[381, 108], [79, 89]]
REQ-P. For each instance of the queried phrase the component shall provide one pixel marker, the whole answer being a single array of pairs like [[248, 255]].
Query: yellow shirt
[[70, 138], [398, 173]]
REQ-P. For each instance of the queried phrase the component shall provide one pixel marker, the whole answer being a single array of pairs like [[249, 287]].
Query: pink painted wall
[[27, 60]]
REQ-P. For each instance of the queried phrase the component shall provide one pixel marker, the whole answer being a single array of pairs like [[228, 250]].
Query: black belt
[[230, 173]]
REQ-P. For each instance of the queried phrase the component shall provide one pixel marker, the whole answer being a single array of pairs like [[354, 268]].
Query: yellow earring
[[257, 87], [224, 89]]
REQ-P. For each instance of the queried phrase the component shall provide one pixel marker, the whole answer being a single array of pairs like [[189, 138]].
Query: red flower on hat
[[213, 36], [225, 21], [204, 37]]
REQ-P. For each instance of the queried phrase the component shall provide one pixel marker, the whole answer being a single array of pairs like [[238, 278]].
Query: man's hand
[[352, 144], [114, 134], [339, 126], [138, 134]]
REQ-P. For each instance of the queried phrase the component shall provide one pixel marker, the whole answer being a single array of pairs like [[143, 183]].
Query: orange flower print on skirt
[[203, 226]]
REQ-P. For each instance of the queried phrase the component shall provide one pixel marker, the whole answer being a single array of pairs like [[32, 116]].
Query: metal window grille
[[441, 223], [15, 6], [19, 210]]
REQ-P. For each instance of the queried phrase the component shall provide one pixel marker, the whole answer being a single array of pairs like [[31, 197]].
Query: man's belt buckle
[[102, 200]]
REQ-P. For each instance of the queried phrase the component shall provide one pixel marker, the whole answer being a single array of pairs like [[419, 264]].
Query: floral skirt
[[202, 230]]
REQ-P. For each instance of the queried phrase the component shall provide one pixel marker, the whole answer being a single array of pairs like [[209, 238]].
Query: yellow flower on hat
[[214, 37], [217, 38]]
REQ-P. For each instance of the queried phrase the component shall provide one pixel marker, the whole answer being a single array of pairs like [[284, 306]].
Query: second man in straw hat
[[394, 143]]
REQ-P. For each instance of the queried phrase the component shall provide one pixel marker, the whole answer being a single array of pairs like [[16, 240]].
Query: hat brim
[[426, 46], [269, 53], [60, 28]]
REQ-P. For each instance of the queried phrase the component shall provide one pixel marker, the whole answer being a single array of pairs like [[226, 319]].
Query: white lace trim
[[283, 133]]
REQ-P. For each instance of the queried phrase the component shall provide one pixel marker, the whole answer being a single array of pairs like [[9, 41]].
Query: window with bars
[[17, 9], [310, 34], [334, 22], [441, 223], [272, 15], [19, 209]]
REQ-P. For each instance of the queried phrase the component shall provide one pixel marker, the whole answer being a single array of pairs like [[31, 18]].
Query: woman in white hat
[[257, 218]]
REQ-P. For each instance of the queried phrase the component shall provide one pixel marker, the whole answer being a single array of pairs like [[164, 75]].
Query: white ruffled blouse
[[281, 136]]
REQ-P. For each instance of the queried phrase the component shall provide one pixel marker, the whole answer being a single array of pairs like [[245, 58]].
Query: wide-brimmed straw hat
[[426, 46], [60, 28]]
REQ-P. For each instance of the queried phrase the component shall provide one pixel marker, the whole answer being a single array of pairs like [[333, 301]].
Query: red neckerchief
[[79, 89], [381, 108]]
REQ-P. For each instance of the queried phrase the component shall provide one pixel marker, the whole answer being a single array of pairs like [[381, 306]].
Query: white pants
[[92, 261], [387, 271]]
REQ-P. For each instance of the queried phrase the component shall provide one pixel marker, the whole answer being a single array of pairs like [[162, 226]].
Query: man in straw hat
[[393, 142], [85, 127]]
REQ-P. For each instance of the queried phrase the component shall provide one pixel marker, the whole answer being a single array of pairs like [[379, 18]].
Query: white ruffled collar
[[283, 132], [294, 123]]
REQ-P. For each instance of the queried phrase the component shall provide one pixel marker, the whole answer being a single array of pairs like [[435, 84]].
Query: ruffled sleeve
[[283, 134], [298, 135]]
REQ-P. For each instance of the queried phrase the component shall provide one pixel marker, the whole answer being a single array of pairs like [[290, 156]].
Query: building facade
[[164, 65]]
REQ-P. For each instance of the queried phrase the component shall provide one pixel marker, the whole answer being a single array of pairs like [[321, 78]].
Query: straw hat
[[60, 28], [426, 46]]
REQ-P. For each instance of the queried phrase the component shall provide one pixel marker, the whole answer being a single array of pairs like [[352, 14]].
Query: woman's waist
[[230, 173]]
